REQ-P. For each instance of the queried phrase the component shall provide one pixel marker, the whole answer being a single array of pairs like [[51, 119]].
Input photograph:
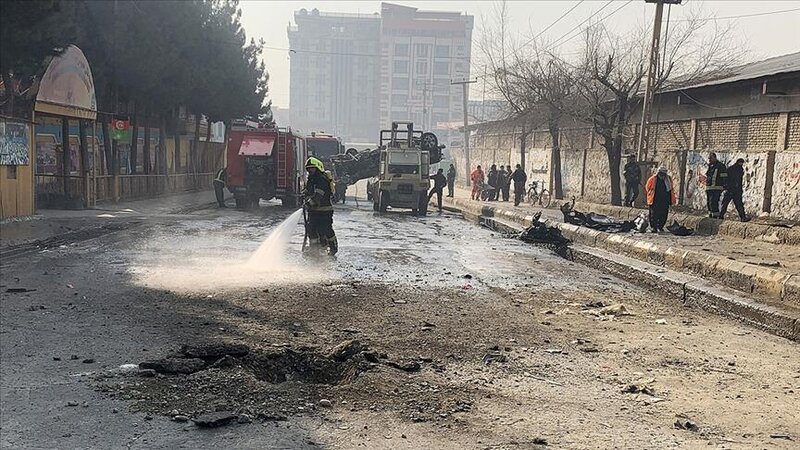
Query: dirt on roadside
[[497, 368]]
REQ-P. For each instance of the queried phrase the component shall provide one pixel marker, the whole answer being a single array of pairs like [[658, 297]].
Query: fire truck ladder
[[281, 160]]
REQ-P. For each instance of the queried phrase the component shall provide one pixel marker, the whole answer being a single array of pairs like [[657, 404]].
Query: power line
[[558, 44], [555, 43], [551, 25], [740, 16]]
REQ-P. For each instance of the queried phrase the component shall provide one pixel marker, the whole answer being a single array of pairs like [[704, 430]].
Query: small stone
[[325, 403], [73, 357], [114, 411], [244, 418], [661, 321], [56, 358], [71, 403], [88, 361], [148, 417], [180, 418]]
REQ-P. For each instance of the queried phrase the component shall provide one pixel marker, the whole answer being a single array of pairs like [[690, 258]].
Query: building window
[[399, 99], [400, 49], [422, 68], [400, 84], [441, 68], [442, 51], [421, 50], [400, 66]]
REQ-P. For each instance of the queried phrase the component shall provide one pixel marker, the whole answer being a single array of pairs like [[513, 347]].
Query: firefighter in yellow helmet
[[317, 201]]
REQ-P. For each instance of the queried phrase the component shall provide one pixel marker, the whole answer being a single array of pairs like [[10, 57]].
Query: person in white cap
[[660, 195]]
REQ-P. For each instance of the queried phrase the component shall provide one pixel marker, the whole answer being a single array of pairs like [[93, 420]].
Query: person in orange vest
[[660, 195], [477, 180]]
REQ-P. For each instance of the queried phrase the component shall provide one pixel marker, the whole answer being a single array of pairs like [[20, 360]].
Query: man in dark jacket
[[503, 180], [734, 188], [451, 180], [519, 178], [317, 200], [716, 176], [491, 178], [633, 176], [439, 182]]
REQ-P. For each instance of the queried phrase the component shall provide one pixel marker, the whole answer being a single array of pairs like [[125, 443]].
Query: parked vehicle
[[537, 197], [403, 171], [264, 163]]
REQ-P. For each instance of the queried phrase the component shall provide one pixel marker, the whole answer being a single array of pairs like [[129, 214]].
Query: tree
[[534, 82], [29, 33], [613, 66]]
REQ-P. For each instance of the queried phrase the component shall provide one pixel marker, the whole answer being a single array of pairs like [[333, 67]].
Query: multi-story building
[[334, 81], [352, 74], [422, 52]]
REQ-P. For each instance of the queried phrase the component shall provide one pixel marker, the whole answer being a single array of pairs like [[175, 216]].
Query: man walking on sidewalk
[[633, 176], [451, 180], [734, 189], [477, 180], [660, 195], [519, 178], [439, 182], [715, 183]]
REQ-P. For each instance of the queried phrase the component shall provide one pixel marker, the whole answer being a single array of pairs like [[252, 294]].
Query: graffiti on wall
[[14, 148]]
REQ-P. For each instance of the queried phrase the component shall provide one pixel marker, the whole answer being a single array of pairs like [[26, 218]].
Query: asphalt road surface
[[466, 339]]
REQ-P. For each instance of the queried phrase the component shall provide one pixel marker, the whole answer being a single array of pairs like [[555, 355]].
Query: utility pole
[[465, 89], [652, 71]]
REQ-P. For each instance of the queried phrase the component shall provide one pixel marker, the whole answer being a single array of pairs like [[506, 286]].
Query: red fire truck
[[264, 163]]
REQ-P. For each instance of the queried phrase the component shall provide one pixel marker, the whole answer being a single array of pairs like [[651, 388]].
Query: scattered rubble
[[684, 423]]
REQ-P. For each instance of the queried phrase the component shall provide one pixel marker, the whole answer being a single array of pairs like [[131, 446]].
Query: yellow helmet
[[315, 163]]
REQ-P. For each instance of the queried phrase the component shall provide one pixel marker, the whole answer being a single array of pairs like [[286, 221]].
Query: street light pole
[[465, 89]]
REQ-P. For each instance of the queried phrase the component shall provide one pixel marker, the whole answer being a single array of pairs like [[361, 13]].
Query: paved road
[[510, 351]]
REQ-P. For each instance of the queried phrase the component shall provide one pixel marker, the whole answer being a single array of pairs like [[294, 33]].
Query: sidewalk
[[48, 224], [760, 272]]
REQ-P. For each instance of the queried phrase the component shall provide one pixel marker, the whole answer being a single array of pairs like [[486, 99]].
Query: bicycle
[[534, 196]]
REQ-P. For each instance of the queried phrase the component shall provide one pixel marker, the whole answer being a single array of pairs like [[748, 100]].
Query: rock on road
[[470, 340]]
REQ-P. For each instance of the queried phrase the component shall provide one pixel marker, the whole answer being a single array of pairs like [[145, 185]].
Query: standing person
[[502, 181], [507, 186], [317, 199], [492, 180], [715, 183], [219, 186], [451, 180], [439, 182], [519, 178], [734, 188], [633, 176], [477, 180], [660, 195]]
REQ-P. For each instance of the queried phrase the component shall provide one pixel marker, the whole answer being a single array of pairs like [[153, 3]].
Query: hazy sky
[[766, 35]]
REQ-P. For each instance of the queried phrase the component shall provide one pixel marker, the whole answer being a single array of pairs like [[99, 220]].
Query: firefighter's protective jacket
[[319, 188], [716, 176]]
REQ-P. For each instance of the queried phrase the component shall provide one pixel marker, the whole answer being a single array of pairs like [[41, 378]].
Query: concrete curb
[[690, 290], [705, 225], [770, 283]]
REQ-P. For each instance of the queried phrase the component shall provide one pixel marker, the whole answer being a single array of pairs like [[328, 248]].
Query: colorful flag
[[120, 129]]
